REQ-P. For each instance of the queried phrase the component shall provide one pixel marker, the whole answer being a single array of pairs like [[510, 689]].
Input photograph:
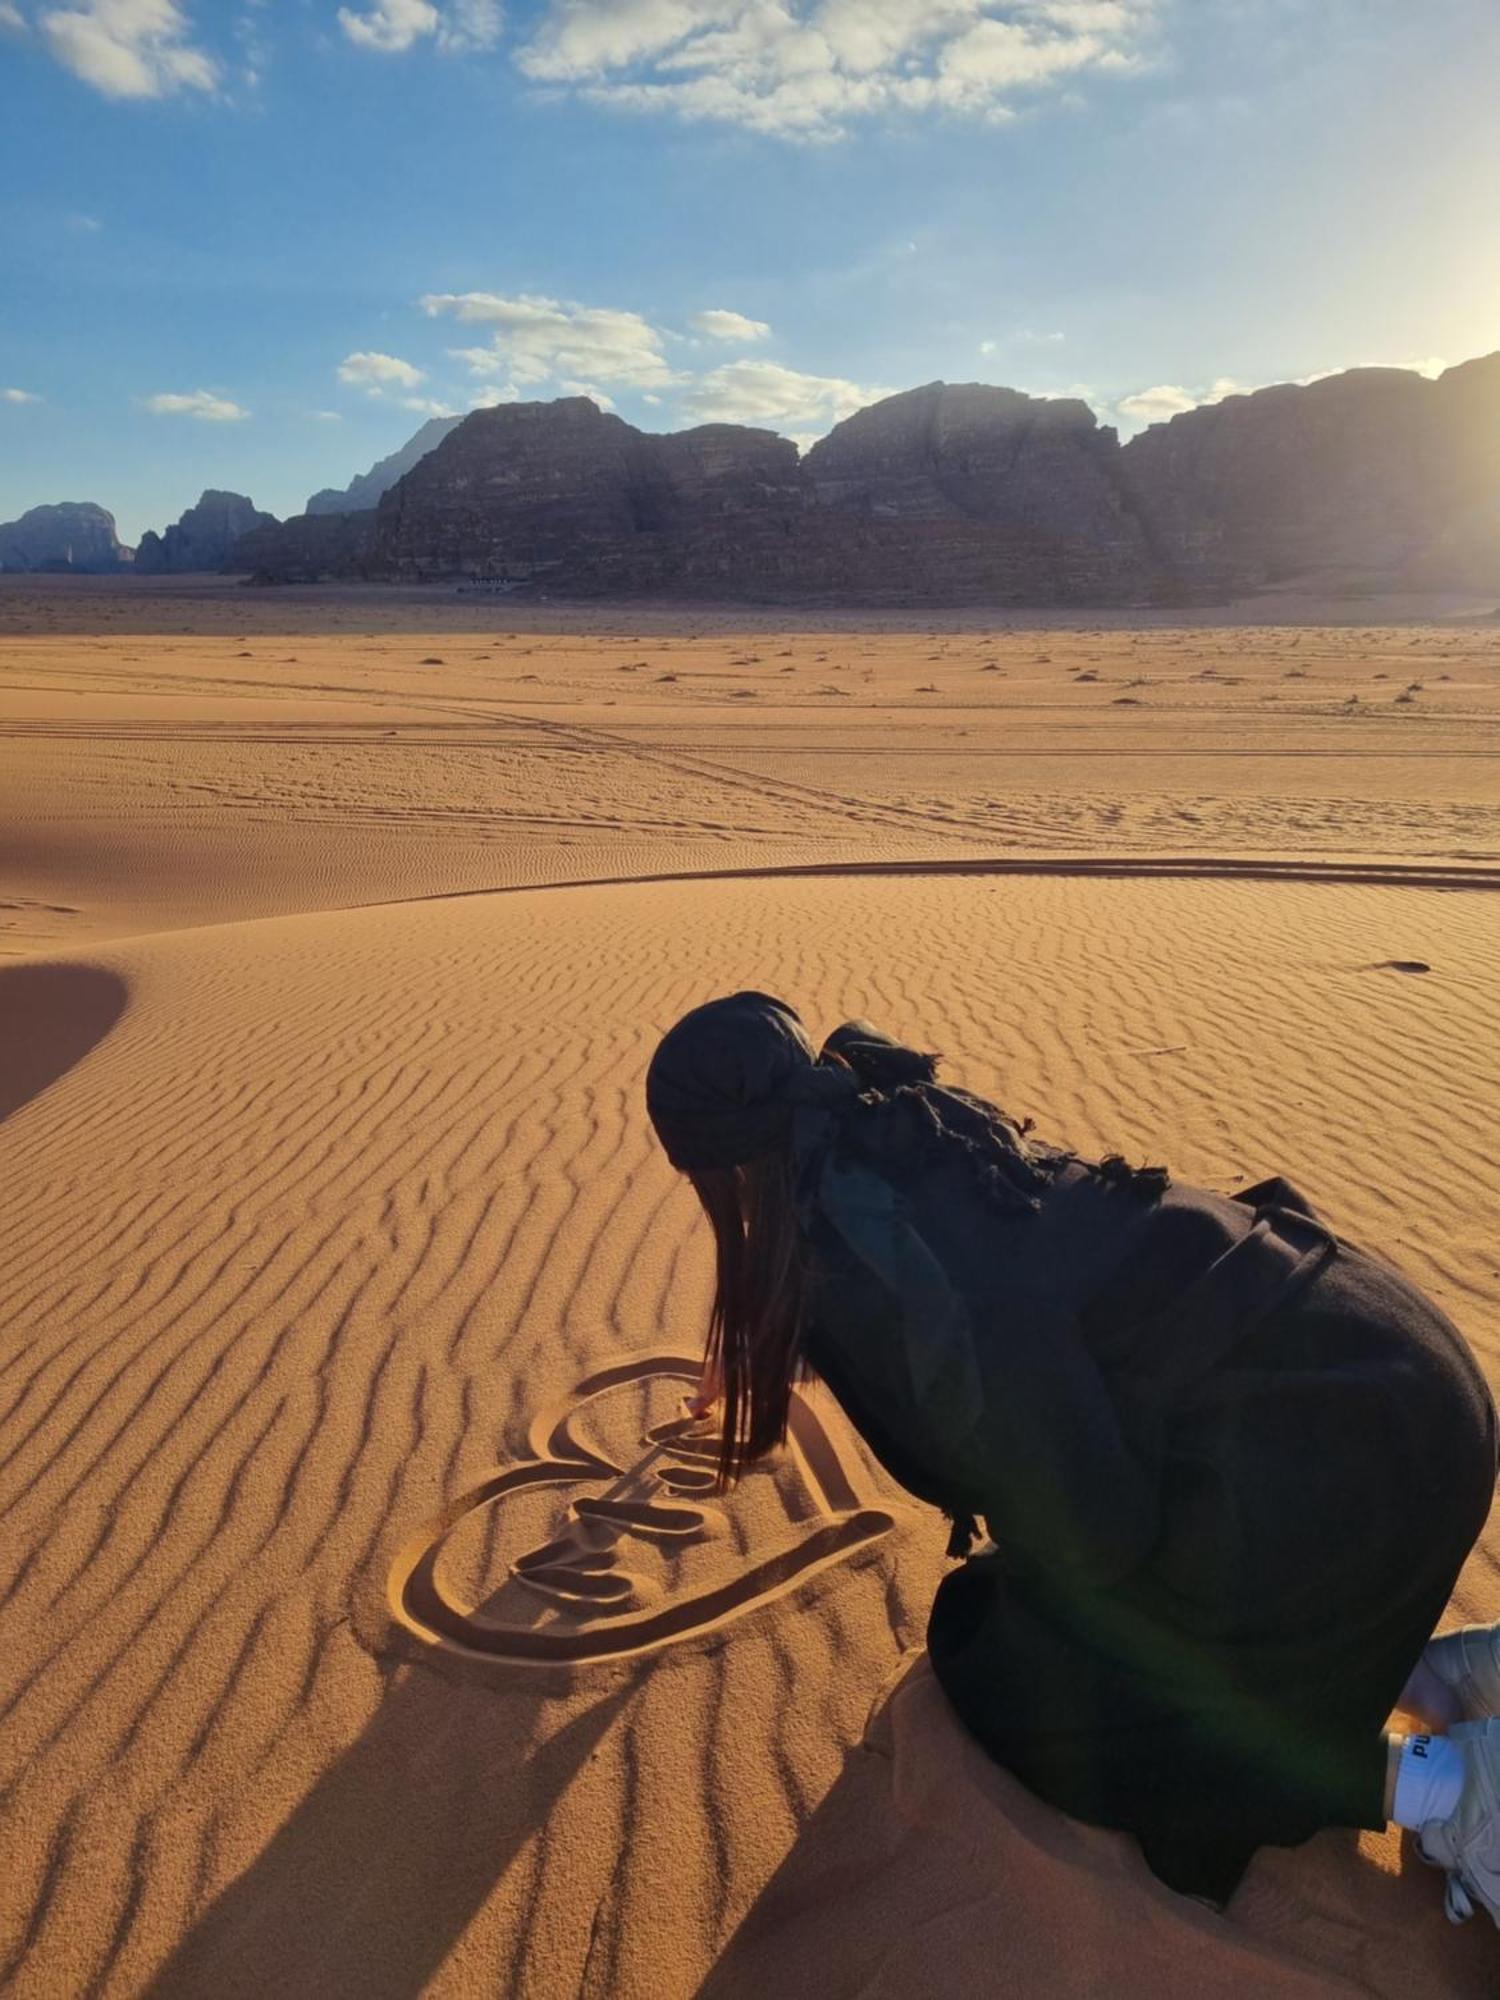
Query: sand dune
[[302, 752], [319, 1224], [366, 1626]]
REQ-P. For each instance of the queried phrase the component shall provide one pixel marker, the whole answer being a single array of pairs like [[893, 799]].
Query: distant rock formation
[[76, 535], [1363, 479], [937, 494], [1463, 530], [365, 489], [951, 494], [563, 491], [994, 491], [965, 451], [204, 536], [308, 548]]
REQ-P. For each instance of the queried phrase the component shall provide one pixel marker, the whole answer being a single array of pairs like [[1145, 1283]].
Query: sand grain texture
[[310, 1215]]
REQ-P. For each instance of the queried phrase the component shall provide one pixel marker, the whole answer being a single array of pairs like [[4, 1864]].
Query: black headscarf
[[725, 1082], [729, 1081]]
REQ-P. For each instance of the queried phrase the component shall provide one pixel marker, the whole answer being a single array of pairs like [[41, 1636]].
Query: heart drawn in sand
[[610, 1542]]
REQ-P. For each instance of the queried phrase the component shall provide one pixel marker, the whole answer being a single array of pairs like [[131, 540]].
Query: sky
[[253, 245]]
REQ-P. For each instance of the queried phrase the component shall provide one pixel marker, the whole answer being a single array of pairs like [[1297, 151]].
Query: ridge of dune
[[308, 1216]]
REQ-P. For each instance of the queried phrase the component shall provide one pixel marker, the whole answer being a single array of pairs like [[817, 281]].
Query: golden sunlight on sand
[[367, 1627]]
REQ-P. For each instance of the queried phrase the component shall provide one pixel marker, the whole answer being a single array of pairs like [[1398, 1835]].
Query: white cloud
[[254, 43], [810, 67], [1168, 399], [427, 406], [1024, 336], [717, 324], [391, 26], [327, 416], [1155, 406], [11, 18], [1431, 367], [394, 26], [537, 339], [201, 403], [491, 398], [763, 392], [377, 372], [128, 48], [18, 396]]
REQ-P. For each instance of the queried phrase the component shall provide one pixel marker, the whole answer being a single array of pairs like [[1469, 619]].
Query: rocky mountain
[[951, 493], [934, 495], [553, 489], [203, 537], [365, 489], [972, 473], [307, 548], [966, 451], [1351, 478], [76, 535]]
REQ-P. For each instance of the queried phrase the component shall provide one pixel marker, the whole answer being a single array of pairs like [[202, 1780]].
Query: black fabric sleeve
[[1057, 1479], [1020, 1425]]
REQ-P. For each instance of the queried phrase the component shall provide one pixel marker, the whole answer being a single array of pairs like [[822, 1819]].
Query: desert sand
[[367, 1626]]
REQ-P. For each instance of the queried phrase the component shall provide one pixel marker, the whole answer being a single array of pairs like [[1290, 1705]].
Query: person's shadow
[[377, 1873], [372, 1880], [50, 1018]]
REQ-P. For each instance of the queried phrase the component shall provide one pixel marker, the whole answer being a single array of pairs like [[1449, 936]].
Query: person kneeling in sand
[[1229, 1464]]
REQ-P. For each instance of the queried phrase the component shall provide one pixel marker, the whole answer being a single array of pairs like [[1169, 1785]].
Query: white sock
[[1429, 1779]]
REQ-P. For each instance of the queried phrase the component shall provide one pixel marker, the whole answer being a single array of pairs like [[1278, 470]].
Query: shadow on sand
[[372, 1880], [50, 1018], [374, 1877]]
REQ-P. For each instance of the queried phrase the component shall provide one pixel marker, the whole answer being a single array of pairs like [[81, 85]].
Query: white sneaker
[[1468, 1844], [1469, 1662]]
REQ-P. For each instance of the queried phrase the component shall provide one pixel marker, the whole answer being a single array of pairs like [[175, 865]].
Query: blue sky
[[252, 244]]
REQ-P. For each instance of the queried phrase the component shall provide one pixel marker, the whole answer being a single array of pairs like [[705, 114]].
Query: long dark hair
[[755, 1328]]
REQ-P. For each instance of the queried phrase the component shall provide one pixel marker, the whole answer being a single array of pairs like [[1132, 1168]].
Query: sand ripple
[[307, 1218]]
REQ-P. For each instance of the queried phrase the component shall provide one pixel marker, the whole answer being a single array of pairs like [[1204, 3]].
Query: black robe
[[1231, 1465]]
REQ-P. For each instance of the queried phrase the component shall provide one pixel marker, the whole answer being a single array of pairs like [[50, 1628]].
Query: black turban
[[725, 1081]]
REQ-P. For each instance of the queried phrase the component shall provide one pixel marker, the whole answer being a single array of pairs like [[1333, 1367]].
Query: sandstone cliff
[[1373, 478], [944, 493], [1463, 541], [365, 489], [308, 548], [566, 494], [70, 535], [993, 489], [203, 537], [951, 494]]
